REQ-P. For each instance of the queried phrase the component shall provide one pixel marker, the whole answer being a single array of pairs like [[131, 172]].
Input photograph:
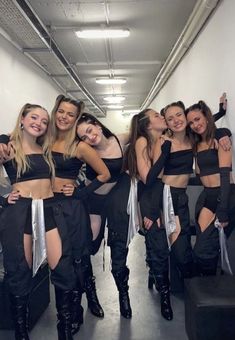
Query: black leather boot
[[20, 313], [92, 298], [76, 311], [121, 278], [151, 281], [90, 288], [63, 306], [76, 308], [163, 284]]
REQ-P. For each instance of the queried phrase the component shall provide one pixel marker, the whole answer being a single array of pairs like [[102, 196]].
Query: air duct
[[194, 25], [28, 13]]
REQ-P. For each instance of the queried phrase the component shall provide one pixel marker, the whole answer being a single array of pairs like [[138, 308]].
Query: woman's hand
[[5, 151], [225, 143], [68, 189], [13, 197], [147, 223]]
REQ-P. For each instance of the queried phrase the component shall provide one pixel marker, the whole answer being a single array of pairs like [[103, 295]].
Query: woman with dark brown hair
[[146, 129], [216, 204], [105, 204]]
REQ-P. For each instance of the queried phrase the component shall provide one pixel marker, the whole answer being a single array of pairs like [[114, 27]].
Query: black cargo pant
[[157, 251], [15, 221], [181, 249], [206, 250]]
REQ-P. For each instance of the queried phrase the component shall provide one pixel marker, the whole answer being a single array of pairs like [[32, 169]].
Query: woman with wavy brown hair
[[216, 204]]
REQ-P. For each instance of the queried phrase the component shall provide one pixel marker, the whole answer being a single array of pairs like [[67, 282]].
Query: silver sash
[[133, 212], [38, 234], [168, 213], [225, 264]]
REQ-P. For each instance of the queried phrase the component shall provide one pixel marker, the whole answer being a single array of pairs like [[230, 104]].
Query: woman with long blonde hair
[[32, 225]]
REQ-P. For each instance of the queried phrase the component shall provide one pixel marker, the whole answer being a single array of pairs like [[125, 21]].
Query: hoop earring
[[21, 126]]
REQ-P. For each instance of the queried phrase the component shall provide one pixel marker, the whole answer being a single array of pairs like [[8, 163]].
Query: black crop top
[[179, 163], [66, 167], [208, 162], [38, 169], [113, 164]]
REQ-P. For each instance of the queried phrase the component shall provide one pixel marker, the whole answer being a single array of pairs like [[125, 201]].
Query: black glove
[[85, 191], [4, 139], [222, 132], [222, 208], [221, 112], [159, 164]]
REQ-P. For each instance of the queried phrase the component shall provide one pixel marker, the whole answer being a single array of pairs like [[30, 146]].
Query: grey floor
[[146, 323]]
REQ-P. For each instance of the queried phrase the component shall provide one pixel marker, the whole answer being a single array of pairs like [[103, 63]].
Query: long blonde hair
[[16, 138], [71, 139]]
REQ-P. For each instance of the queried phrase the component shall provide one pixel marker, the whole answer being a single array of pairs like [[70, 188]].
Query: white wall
[[208, 69], [21, 81], [116, 122]]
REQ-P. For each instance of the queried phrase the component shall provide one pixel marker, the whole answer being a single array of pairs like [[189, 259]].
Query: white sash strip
[[133, 212], [225, 264], [168, 213], [38, 233]]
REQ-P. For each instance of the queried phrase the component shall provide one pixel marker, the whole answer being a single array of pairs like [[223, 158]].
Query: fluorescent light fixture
[[100, 33], [114, 99], [115, 107], [110, 81]]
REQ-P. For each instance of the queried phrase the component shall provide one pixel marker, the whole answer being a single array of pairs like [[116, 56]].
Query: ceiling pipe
[[201, 13], [20, 49], [34, 21]]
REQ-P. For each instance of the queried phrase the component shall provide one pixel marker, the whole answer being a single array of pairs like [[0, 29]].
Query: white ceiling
[[45, 31]]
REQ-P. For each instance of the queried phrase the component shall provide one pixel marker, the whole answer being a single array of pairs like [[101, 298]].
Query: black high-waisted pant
[[15, 221]]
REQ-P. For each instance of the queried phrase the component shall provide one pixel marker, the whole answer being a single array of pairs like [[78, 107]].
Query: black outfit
[[18, 274], [206, 249], [179, 163], [157, 252], [74, 210], [97, 203], [78, 223], [113, 208]]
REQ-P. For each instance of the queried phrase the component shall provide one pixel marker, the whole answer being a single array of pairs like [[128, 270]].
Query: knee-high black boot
[[90, 289], [121, 278], [163, 284], [76, 311], [76, 308], [20, 313], [63, 306]]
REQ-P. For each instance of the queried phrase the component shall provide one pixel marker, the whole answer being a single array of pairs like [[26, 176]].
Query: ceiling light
[[102, 33], [117, 107], [110, 81], [114, 99]]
